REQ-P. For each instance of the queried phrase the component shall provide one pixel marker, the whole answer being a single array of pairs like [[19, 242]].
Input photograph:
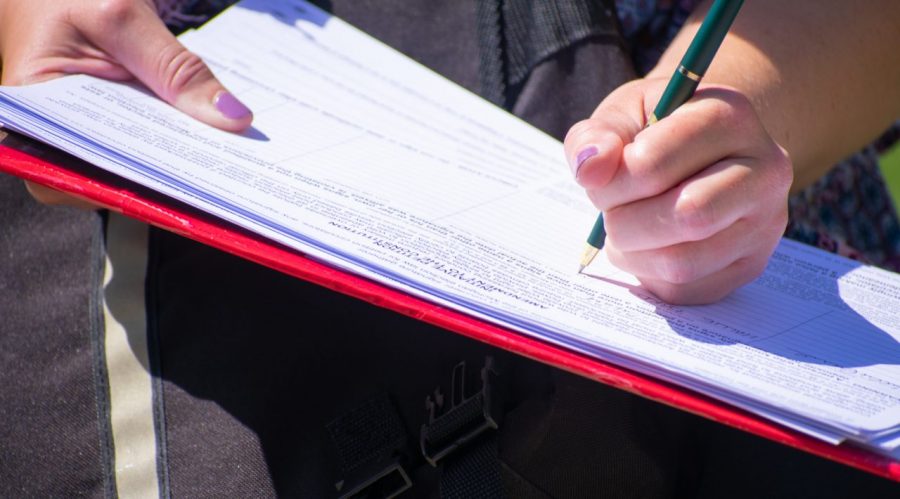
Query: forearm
[[824, 76]]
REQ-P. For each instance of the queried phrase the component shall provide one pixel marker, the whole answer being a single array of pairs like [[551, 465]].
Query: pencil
[[679, 89]]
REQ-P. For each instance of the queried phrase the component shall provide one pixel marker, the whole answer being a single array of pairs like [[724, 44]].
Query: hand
[[113, 39], [695, 204]]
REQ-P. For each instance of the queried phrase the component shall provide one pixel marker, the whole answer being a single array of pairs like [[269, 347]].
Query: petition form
[[364, 159]]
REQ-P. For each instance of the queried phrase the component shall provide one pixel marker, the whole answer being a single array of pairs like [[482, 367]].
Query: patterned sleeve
[[650, 25]]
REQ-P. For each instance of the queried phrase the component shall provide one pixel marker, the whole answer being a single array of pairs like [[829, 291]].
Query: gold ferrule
[[690, 74]]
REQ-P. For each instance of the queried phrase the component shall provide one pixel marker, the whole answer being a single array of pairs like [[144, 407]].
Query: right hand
[[116, 40], [695, 204]]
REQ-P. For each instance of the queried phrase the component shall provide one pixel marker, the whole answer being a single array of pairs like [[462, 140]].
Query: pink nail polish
[[585, 154], [230, 107]]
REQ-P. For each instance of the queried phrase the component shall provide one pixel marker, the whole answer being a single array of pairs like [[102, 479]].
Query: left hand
[[113, 39], [695, 204]]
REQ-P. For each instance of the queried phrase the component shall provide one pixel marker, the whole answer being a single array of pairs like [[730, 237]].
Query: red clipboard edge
[[220, 235]]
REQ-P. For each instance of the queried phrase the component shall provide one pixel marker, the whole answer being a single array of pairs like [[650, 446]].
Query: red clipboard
[[35, 162]]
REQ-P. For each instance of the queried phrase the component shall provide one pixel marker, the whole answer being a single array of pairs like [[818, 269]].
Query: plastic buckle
[[386, 482], [464, 420]]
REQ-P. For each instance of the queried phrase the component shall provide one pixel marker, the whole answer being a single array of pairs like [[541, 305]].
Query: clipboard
[[35, 162]]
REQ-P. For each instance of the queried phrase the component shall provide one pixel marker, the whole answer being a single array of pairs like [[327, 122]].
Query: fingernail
[[230, 107], [585, 154]]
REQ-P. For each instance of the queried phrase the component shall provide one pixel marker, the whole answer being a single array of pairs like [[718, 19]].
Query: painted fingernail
[[585, 154], [230, 107]]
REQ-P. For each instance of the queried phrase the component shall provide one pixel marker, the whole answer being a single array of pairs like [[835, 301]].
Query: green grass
[[890, 168]]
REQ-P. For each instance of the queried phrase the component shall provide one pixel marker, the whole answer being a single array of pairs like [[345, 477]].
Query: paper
[[366, 160]]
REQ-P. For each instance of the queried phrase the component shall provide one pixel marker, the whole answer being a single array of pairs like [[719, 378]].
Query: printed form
[[366, 160]]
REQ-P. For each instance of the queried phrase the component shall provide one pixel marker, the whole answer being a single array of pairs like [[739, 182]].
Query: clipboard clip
[[447, 429]]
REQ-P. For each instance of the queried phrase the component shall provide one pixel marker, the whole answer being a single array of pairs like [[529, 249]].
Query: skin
[[113, 39], [695, 204]]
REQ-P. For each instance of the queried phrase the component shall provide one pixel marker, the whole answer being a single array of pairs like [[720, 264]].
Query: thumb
[[594, 146], [143, 45], [594, 150]]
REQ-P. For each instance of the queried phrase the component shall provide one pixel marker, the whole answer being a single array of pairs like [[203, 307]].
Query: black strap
[[459, 436], [366, 434], [516, 35], [371, 447], [473, 473]]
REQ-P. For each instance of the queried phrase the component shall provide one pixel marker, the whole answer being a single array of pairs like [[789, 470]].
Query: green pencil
[[680, 88]]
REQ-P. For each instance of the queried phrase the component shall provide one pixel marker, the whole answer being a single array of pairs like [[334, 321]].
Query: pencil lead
[[589, 253]]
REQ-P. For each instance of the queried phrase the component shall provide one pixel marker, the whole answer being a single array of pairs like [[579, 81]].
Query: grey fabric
[[54, 435], [565, 89], [440, 34]]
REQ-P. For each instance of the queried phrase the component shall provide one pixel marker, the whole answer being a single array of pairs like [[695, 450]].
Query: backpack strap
[[517, 35], [459, 436], [458, 441], [371, 447]]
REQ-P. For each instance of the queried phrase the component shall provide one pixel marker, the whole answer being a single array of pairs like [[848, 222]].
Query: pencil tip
[[589, 253]]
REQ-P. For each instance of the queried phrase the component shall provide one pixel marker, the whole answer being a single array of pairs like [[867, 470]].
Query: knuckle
[[645, 167], [776, 176], [734, 110], [725, 110], [693, 215], [177, 67], [675, 267], [115, 12], [640, 155], [773, 210], [779, 224], [783, 169], [770, 225], [739, 105], [578, 130]]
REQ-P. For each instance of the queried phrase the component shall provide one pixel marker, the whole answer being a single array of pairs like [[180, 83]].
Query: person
[[694, 204]]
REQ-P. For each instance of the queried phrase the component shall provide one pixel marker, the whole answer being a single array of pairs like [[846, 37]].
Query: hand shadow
[[795, 314], [290, 13], [255, 134]]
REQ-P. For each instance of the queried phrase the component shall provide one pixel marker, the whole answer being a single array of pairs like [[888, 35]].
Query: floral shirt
[[848, 211]]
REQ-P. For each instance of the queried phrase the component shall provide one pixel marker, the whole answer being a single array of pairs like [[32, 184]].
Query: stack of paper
[[371, 163]]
